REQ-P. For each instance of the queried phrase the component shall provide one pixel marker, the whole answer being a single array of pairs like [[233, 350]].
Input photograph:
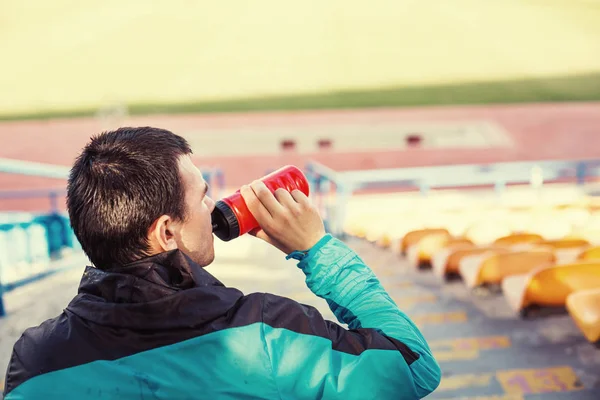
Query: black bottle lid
[[224, 222]]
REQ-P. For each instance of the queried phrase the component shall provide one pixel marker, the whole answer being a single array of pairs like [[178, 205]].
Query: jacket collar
[[147, 279], [146, 293]]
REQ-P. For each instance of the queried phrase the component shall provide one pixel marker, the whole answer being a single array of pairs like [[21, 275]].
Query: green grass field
[[71, 57]]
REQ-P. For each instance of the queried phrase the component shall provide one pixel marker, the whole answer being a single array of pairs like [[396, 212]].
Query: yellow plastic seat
[[494, 268], [592, 253], [550, 286], [385, 241], [584, 307], [424, 251], [390, 237], [518, 239], [417, 252], [564, 243], [360, 233], [446, 263], [413, 237], [566, 250]]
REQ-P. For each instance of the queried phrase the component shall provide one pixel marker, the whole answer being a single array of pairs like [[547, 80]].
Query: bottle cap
[[225, 223]]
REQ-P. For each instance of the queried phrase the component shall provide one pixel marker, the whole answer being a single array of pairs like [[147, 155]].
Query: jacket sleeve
[[382, 355]]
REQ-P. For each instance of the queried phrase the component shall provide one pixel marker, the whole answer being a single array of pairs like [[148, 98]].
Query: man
[[149, 323]]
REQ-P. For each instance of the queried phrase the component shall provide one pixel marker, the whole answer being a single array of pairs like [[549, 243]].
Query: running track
[[538, 131]]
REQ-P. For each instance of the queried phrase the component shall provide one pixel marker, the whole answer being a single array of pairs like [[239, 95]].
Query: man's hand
[[287, 220]]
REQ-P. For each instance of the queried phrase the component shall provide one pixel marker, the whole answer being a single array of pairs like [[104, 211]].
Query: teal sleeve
[[336, 273]]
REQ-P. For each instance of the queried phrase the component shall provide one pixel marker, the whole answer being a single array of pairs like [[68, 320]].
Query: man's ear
[[161, 235]]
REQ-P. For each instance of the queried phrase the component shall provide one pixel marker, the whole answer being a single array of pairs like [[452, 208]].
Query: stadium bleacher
[[538, 252]]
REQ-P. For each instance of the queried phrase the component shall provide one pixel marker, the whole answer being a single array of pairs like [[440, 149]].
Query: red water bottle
[[231, 217]]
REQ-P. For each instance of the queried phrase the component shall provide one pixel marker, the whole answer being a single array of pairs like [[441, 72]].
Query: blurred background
[[454, 144]]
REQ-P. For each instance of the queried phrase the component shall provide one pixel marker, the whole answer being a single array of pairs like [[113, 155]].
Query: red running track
[[538, 131]]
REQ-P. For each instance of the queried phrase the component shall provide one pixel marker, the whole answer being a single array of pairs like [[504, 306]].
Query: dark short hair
[[119, 185]]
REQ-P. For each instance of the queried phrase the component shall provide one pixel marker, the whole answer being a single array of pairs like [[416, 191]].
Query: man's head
[[135, 192]]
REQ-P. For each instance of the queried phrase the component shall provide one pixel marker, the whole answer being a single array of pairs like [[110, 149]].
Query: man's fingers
[[267, 198], [300, 198], [285, 198], [254, 204], [293, 223], [259, 233]]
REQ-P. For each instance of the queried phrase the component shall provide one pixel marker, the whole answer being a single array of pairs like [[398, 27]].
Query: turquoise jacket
[[163, 328]]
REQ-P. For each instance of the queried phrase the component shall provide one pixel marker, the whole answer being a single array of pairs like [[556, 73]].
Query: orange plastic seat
[[458, 243], [384, 241], [447, 263], [564, 243], [565, 250], [413, 237], [592, 253], [550, 286], [584, 307], [424, 251], [496, 267], [517, 239]]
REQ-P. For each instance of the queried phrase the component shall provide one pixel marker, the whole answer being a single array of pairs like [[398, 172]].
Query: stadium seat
[[549, 286], [592, 253], [422, 253], [584, 307], [384, 241], [446, 263], [518, 239], [413, 237], [565, 250], [564, 243], [391, 237], [495, 267]]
